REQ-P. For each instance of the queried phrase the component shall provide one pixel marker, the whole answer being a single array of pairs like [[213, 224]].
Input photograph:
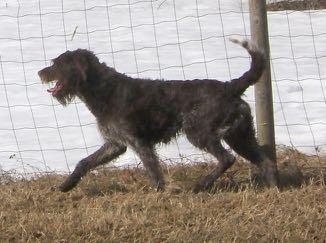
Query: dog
[[140, 113]]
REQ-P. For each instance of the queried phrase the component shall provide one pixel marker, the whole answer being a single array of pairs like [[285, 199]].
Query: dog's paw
[[198, 188], [174, 189], [271, 180], [160, 187], [65, 188], [69, 184]]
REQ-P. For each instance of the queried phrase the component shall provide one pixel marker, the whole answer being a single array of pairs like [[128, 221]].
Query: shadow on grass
[[181, 178]]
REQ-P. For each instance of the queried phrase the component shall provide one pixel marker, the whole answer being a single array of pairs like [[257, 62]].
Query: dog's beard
[[64, 97], [63, 91]]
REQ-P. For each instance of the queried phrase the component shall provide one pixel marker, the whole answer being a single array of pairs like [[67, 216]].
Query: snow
[[186, 43]]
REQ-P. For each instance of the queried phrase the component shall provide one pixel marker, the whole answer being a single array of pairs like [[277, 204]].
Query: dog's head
[[70, 73]]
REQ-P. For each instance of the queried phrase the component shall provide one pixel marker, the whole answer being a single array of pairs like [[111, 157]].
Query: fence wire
[[167, 39]]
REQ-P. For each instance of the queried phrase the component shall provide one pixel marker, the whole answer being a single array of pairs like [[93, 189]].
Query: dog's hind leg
[[210, 142], [246, 146], [106, 153], [242, 140], [150, 161]]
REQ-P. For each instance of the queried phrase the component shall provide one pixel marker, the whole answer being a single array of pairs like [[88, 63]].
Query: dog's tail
[[258, 62]]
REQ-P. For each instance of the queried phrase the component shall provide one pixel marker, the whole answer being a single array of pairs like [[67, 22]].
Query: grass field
[[117, 205]]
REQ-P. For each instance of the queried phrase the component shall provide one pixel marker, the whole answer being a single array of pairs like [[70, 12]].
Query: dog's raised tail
[[258, 62]]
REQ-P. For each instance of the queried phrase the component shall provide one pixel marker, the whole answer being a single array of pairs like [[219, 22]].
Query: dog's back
[[158, 110]]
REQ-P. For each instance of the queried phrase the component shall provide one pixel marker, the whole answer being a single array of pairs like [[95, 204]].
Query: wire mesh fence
[[165, 39]]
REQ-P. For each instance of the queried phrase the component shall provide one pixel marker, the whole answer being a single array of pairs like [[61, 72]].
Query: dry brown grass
[[297, 5], [118, 206]]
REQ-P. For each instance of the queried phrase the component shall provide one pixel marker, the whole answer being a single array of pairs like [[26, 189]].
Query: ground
[[117, 205], [297, 5]]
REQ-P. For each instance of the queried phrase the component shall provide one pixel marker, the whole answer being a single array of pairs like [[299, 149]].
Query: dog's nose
[[43, 72]]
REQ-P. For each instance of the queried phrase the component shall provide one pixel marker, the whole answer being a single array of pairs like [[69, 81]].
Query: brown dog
[[141, 113]]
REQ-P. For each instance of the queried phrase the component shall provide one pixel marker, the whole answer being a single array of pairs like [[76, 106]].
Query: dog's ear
[[82, 69], [81, 63], [85, 61], [75, 74]]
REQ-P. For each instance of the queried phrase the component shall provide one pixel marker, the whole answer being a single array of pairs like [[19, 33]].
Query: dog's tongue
[[58, 86]]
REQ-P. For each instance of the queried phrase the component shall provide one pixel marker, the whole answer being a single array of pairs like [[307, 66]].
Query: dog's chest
[[110, 132]]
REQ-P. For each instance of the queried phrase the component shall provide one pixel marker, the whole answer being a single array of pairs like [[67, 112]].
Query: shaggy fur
[[141, 113]]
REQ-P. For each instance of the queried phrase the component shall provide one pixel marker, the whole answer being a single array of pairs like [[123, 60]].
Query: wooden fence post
[[263, 89]]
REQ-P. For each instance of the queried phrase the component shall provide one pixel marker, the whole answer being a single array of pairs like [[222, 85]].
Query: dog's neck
[[98, 93]]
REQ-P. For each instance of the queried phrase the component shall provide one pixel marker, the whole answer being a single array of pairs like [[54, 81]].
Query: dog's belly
[[157, 128], [152, 130]]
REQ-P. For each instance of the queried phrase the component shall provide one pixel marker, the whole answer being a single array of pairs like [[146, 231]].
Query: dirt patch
[[297, 5]]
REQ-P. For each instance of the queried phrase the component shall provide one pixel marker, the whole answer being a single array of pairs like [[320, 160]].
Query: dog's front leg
[[106, 153], [150, 161]]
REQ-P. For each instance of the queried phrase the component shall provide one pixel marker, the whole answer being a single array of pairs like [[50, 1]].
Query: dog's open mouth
[[48, 76], [58, 86]]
